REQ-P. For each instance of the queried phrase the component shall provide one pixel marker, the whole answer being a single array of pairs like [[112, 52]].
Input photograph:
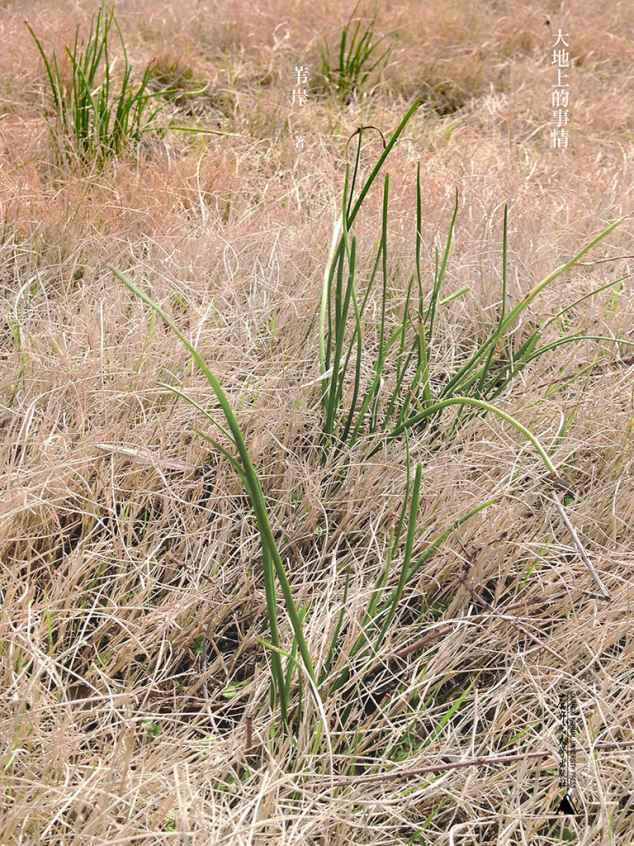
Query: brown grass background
[[123, 539]]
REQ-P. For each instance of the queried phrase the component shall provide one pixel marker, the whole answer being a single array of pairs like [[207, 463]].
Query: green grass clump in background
[[96, 117], [348, 78]]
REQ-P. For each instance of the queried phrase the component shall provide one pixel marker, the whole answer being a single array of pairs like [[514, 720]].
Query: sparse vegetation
[[302, 445], [349, 75], [412, 404], [96, 116]]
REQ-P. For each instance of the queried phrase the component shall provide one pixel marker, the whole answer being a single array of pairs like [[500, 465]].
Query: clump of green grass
[[355, 412], [96, 116], [400, 396], [350, 75]]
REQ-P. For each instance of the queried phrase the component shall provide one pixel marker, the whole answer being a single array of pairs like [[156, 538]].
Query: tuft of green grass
[[96, 117], [349, 76], [384, 386]]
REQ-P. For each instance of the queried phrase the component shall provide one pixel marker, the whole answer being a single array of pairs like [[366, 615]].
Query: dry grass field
[[307, 632]]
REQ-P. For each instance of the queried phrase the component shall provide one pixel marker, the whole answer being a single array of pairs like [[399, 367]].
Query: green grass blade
[[507, 323], [386, 152], [409, 545], [232, 461], [181, 395], [380, 362], [343, 677], [442, 537], [446, 718], [592, 293], [440, 275], [334, 648], [53, 78], [475, 403], [269, 547]]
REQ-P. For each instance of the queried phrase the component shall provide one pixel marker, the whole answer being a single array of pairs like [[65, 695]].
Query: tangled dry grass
[[135, 682]]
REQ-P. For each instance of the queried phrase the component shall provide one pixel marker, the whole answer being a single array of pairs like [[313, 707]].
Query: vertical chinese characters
[[560, 93], [300, 96]]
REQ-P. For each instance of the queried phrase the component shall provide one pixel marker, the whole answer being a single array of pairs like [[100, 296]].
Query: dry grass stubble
[[135, 684]]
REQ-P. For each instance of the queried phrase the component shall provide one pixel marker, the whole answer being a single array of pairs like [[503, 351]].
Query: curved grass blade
[[440, 275], [475, 403], [347, 218], [569, 339], [409, 545], [270, 551], [456, 381], [585, 297], [363, 639]]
